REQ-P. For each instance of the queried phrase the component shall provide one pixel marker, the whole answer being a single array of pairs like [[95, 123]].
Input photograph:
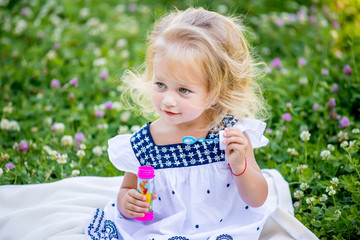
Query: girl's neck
[[164, 133]]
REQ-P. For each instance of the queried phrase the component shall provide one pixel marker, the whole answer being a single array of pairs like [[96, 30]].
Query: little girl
[[200, 79]]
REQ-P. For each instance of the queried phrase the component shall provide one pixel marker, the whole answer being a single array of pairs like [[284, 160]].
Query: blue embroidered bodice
[[180, 154]]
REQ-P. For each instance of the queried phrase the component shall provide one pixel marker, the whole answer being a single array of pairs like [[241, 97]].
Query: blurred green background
[[60, 87]]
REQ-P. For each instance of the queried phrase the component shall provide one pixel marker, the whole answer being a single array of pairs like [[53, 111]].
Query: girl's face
[[177, 94]]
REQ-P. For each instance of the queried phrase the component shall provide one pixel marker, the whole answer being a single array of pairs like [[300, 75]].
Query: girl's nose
[[169, 100]]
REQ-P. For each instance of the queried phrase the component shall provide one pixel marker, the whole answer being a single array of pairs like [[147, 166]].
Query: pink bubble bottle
[[145, 186]]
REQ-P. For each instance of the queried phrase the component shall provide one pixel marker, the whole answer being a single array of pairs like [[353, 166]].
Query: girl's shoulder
[[121, 153]]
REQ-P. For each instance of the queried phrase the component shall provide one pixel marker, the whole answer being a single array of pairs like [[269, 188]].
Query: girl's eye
[[184, 90], [160, 85]]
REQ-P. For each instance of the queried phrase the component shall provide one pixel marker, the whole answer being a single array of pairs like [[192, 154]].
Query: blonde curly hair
[[210, 43]]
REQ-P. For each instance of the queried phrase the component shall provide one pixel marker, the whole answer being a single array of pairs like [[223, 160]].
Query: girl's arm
[[251, 185], [130, 202]]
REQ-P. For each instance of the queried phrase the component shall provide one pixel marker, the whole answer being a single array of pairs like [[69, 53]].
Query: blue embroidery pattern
[[109, 231], [178, 238], [178, 155], [224, 237]]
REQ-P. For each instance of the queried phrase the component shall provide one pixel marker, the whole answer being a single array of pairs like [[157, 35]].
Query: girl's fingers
[[138, 202], [136, 195], [239, 140], [154, 196], [235, 148], [135, 204], [233, 131], [136, 210], [234, 135]]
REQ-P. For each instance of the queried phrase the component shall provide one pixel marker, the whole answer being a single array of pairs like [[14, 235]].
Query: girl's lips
[[170, 113]]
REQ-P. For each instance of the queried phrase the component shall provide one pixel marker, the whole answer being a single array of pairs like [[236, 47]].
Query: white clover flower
[[93, 22], [123, 130], [352, 144], [82, 146], [125, 116], [222, 9], [120, 8], [53, 155], [292, 152], [99, 62], [304, 186], [73, 164], [102, 27], [323, 198], [48, 121], [330, 190], [325, 154], [80, 106], [334, 181], [310, 200], [80, 154], [100, 107], [330, 147], [344, 144], [51, 55], [124, 54], [97, 151], [21, 25], [342, 136], [47, 149], [121, 43], [32, 144], [4, 156], [116, 106], [301, 168], [135, 128], [97, 52], [303, 80], [58, 127], [298, 194], [8, 109], [305, 136], [5, 124], [40, 95], [67, 140], [355, 131], [62, 159], [75, 172], [324, 23], [4, 3], [84, 12], [14, 126], [338, 213]]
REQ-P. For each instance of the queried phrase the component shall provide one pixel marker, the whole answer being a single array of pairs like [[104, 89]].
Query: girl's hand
[[237, 146], [134, 205]]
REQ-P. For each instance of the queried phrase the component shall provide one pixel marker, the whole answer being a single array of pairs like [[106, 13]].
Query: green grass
[[96, 41]]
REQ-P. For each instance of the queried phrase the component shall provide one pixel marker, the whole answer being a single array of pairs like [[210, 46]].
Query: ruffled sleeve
[[121, 154], [255, 130]]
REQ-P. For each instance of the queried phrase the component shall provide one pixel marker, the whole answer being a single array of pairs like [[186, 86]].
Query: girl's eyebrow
[[182, 83]]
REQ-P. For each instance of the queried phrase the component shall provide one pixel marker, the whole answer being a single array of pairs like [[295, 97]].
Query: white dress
[[197, 194]]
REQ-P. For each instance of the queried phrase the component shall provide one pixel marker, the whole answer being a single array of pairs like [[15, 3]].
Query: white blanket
[[61, 210]]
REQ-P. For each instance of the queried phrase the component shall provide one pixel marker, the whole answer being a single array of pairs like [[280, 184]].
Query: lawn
[[60, 87]]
